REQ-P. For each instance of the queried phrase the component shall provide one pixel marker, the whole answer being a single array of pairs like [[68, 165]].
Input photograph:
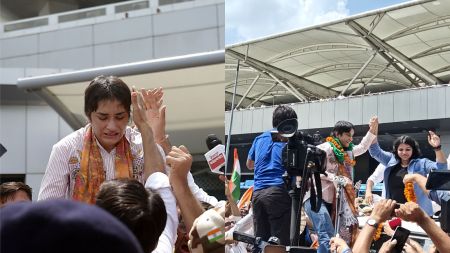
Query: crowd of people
[[115, 188], [404, 198], [112, 187]]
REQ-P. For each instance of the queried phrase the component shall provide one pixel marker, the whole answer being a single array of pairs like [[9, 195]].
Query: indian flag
[[215, 234], [235, 184]]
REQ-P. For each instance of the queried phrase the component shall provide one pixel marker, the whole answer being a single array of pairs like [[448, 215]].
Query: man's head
[[13, 192], [107, 102], [143, 211], [207, 233], [52, 223], [281, 113], [344, 131]]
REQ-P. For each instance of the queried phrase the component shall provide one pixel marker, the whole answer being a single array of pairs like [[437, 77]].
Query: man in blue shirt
[[271, 202]]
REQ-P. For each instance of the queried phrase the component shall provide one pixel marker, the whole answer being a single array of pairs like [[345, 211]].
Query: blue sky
[[250, 19]]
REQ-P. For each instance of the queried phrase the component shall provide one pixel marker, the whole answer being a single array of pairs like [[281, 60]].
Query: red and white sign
[[216, 158]]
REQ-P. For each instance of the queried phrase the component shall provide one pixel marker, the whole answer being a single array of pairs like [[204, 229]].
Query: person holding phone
[[381, 212], [412, 212], [405, 159]]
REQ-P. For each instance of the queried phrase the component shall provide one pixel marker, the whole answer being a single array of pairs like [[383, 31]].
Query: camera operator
[[271, 202], [341, 153]]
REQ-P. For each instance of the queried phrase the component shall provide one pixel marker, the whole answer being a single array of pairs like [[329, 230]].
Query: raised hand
[[433, 139], [383, 210], [156, 112], [139, 115], [410, 211], [373, 125], [180, 161]]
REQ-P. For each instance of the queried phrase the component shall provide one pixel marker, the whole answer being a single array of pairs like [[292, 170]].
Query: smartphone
[[401, 235]]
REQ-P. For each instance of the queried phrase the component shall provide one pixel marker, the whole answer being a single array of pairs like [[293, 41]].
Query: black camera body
[[301, 151]]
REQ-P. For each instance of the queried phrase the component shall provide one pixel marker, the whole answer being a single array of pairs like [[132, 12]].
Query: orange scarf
[[92, 174]]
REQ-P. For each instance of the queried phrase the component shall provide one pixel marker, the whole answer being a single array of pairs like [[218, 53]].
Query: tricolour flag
[[215, 234], [235, 184]]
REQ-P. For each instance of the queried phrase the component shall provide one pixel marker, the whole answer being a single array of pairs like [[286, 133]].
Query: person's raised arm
[[435, 143], [180, 161], [156, 114], [153, 162], [411, 211], [380, 213], [365, 143], [234, 208]]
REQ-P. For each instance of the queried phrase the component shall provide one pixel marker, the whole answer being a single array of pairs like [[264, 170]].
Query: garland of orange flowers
[[338, 146], [377, 234], [409, 192]]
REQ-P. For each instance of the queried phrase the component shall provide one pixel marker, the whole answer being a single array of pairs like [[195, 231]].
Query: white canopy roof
[[399, 47]]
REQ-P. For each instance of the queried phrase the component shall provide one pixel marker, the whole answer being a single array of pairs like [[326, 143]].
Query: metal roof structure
[[398, 47]]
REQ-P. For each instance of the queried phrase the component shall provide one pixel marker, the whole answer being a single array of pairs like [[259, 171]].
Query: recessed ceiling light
[[436, 3]]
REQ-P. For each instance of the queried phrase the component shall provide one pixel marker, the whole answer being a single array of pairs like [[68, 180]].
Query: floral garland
[[409, 192], [377, 234], [347, 159]]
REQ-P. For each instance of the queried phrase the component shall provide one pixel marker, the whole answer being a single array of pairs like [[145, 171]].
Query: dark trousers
[[272, 213]]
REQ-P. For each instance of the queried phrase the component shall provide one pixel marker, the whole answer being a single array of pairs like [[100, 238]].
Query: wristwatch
[[372, 222]]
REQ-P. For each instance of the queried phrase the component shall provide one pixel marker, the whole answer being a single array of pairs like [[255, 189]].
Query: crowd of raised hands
[[383, 211]]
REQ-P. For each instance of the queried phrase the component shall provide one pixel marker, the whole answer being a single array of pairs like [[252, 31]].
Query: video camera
[[300, 150]]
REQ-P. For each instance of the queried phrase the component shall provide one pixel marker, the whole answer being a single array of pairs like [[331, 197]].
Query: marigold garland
[[377, 234], [409, 192], [347, 159]]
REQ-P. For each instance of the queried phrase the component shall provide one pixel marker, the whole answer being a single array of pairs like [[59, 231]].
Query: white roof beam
[[287, 87], [380, 46], [248, 90], [262, 95], [434, 50], [358, 73], [309, 86], [421, 27], [370, 79]]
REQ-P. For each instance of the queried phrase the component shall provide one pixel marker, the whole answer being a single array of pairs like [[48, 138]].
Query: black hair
[[281, 113], [342, 127], [106, 88], [404, 139], [140, 209]]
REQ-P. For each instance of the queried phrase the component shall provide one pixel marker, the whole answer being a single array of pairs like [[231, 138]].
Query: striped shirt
[[64, 163]]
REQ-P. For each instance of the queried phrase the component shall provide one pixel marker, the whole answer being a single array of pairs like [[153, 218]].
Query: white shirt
[[159, 182], [328, 185], [377, 177], [64, 163]]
